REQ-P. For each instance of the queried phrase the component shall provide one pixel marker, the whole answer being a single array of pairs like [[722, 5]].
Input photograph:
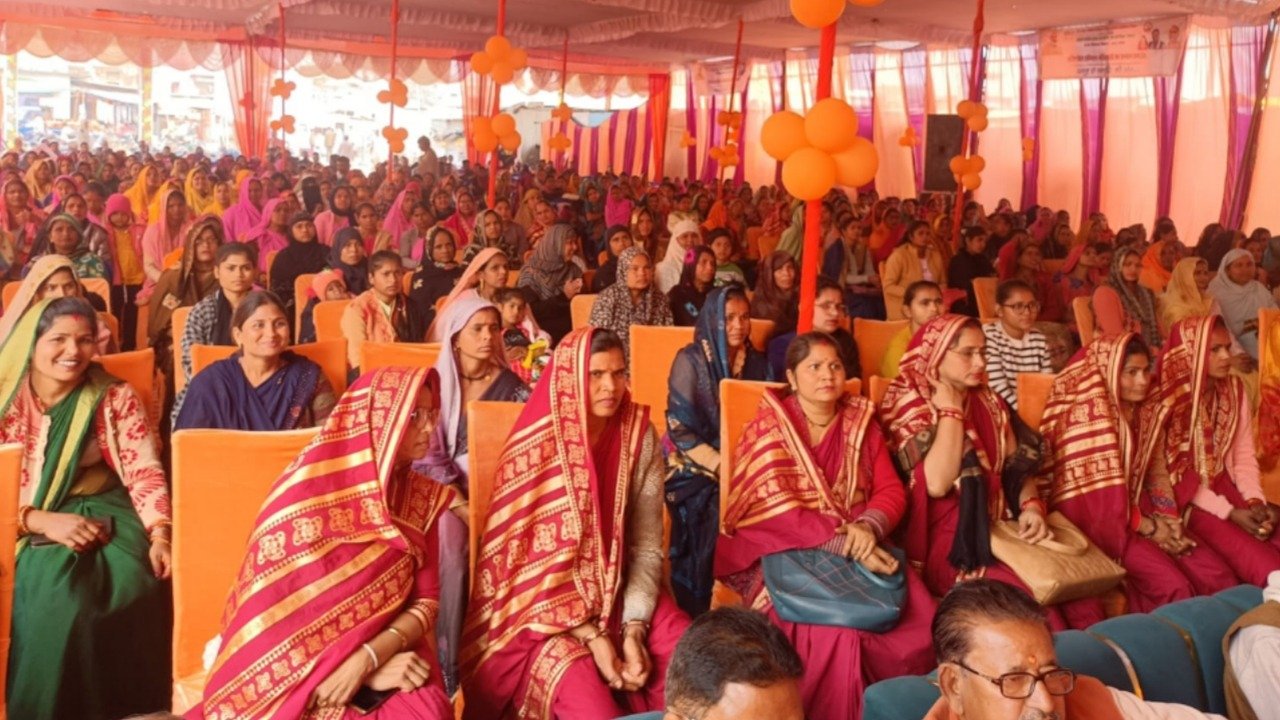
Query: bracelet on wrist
[[23, 512], [1150, 534], [586, 641], [1034, 502], [373, 656], [952, 413], [404, 639]]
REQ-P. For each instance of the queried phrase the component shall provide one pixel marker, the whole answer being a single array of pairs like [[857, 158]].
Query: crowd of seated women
[[572, 607]]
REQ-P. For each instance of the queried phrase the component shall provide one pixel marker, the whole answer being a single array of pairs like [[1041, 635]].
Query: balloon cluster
[[974, 114], [821, 13], [687, 140], [395, 138], [499, 60], [727, 154], [819, 149], [909, 138], [968, 170], [560, 141], [283, 90], [396, 94], [1028, 149], [490, 132]]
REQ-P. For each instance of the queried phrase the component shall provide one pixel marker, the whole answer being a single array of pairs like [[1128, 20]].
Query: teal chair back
[[902, 698], [655, 715], [1160, 657], [1245, 597], [1205, 620], [1087, 655]]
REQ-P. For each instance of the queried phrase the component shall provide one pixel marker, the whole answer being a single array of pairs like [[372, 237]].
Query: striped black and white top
[[1007, 357]]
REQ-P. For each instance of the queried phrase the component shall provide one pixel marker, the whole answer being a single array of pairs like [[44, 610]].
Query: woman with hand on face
[[1209, 450], [262, 386], [813, 471], [367, 555], [954, 437], [685, 234], [1102, 470], [575, 625], [90, 613]]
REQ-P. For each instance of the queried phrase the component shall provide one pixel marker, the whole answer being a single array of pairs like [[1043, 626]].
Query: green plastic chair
[[1160, 656], [1087, 655], [902, 698], [1205, 620], [1245, 597]]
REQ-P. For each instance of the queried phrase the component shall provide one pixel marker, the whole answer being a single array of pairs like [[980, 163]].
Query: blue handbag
[[817, 587]]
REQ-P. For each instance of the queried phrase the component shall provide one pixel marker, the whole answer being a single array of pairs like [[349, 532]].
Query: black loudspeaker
[[942, 137]]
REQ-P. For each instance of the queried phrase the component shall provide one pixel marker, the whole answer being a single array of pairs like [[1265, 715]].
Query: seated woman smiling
[[262, 386]]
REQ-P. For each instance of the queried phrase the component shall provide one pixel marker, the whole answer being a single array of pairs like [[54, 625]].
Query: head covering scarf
[[792, 240], [42, 195], [348, 526], [524, 214], [771, 302], [350, 213], [395, 224], [297, 258], [1153, 274], [356, 276], [522, 607], [1182, 297], [242, 217], [479, 239], [615, 309], [1095, 460], [308, 194], [267, 238], [1204, 415], [323, 279], [41, 270], [547, 270], [1239, 303], [1139, 302], [667, 272], [911, 420], [451, 322], [139, 196], [617, 212], [200, 204]]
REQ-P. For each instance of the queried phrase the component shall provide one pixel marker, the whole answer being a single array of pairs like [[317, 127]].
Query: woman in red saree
[[1101, 470], [814, 472], [953, 437], [1209, 450], [351, 523], [567, 617]]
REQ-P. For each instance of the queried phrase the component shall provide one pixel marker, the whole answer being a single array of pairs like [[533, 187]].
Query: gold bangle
[[420, 616], [23, 512], [372, 656], [404, 639], [586, 641]]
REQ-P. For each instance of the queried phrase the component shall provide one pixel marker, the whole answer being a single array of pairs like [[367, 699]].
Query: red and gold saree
[[344, 542], [557, 552], [787, 495]]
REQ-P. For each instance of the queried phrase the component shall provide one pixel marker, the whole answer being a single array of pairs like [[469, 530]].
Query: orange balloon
[[481, 63], [485, 140], [518, 58], [966, 109], [498, 47], [978, 123], [502, 72], [971, 181], [957, 165], [857, 166], [809, 173], [503, 125], [831, 125], [816, 13], [782, 134], [481, 124], [866, 3], [511, 141], [977, 164]]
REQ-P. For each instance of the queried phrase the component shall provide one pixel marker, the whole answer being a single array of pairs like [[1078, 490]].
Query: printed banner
[[1145, 49]]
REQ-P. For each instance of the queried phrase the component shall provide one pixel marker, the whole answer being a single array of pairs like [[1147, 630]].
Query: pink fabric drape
[[1200, 146], [1167, 92], [1029, 117], [479, 96], [1093, 109], [1247, 47], [915, 75], [249, 82]]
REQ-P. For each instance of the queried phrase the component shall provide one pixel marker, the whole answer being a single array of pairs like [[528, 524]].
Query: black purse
[[817, 587]]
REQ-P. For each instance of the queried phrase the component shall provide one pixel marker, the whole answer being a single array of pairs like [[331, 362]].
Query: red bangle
[[1255, 502], [951, 413], [1037, 502]]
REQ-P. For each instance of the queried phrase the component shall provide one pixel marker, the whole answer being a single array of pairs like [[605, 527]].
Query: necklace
[[475, 378], [821, 426]]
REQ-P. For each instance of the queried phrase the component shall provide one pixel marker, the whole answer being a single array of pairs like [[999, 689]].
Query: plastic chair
[[761, 333], [327, 316], [1267, 363], [138, 368], [1160, 656], [1205, 620], [484, 450], [1033, 396], [406, 283], [100, 287], [873, 338], [113, 325], [902, 698], [271, 260], [984, 292], [330, 355], [1245, 597], [374, 355], [7, 294], [178, 326], [301, 285], [1085, 323], [216, 497], [142, 338], [588, 278], [653, 350], [580, 309], [10, 470], [876, 390]]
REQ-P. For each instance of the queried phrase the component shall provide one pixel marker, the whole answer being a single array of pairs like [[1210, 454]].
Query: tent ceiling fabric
[[637, 31]]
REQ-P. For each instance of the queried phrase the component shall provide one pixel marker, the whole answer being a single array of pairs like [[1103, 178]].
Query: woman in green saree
[[91, 615]]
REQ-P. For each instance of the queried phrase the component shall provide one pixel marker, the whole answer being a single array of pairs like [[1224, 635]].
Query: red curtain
[[479, 99], [249, 79], [659, 107]]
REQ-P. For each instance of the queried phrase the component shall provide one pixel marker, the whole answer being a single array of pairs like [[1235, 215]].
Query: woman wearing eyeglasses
[[1013, 344], [954, 438]]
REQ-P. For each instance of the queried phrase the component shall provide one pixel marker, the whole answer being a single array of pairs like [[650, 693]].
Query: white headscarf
[[668, 271], [1239, 303]]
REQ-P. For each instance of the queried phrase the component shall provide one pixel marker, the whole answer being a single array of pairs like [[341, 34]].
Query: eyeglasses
[[1020, 308], [422, 419], [831, 307], [1020, 685]]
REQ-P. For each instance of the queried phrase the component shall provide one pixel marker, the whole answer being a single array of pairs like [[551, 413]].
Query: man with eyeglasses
[[1014, 346], [996, 661]]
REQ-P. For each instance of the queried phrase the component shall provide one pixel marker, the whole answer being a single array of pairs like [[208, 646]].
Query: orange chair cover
[[138, 368], [327, 317], [178, 324], [580, 309], [10, 466], [301, 285], [653, 350], [484, 450], [374, 355], [1033, 395], [873, 338]]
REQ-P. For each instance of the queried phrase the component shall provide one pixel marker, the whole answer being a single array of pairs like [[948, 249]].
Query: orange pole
[[975, 94], [813, 208], [733, 92], [395, 41]]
